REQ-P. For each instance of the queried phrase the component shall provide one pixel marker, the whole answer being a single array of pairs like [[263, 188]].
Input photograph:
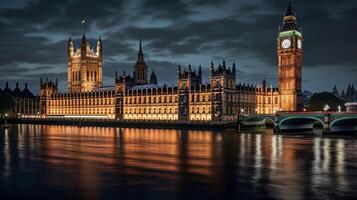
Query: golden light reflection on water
[[89, 158]]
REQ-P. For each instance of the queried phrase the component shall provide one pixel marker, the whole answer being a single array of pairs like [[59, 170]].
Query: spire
[[264, 83], [289, 22], [289, 11], [99, 46], [234, 67], [140, 52], [140, 47]]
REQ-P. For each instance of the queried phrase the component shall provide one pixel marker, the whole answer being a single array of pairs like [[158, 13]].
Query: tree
[[6, 103], [319, 100]]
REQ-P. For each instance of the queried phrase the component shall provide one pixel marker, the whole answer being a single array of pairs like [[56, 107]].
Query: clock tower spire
[[289, 46]]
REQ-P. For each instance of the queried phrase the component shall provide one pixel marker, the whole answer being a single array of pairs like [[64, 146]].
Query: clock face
[[286, 43], [299, 44]]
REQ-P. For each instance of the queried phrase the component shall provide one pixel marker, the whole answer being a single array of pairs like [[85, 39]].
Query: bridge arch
[[350, 126], [261, 119], [281, 123], [269, 120]]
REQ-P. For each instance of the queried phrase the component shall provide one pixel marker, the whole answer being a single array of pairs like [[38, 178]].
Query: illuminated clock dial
[[299, 44], [286, 43]]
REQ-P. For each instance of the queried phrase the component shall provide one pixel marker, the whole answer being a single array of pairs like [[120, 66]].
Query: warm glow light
[[327, 107], [87, 116]]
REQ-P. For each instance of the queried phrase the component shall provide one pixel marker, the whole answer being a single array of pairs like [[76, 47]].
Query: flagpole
[[84, 26]]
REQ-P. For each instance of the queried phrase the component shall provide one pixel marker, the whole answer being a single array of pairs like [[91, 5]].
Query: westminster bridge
[[328, 122]]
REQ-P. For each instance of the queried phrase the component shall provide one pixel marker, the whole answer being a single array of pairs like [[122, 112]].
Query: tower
[[223, 84], [140, 73], [85, 66], [187, 80], [47, 89], [289, 46]]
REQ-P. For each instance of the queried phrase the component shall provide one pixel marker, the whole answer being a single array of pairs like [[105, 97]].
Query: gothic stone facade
[[137, 98]]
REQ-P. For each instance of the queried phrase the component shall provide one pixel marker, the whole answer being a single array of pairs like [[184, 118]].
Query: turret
[[70, 47], [178, 71], [153, 78], [264, 84], [234, 68], [212, 68], [99, 47]]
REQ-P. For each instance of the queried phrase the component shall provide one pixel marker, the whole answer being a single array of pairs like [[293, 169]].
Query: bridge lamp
[[326, 108]]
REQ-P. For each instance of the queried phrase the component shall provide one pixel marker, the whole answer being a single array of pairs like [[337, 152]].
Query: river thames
[[68, 162]]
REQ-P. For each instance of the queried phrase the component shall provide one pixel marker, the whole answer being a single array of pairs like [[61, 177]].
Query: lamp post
[[326, 108], [6, 120]]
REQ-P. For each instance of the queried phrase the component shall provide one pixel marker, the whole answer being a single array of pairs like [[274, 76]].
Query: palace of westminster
[[140, 97]]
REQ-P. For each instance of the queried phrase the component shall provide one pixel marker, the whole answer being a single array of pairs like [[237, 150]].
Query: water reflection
[[95, 162]]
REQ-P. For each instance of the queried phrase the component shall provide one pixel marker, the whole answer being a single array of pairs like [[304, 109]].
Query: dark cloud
[[34, 36]]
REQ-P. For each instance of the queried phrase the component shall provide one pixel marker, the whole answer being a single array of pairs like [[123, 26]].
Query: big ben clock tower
[[289, 43]]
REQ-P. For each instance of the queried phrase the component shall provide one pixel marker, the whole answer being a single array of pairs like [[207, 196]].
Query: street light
[[326, 108], [339, 109]]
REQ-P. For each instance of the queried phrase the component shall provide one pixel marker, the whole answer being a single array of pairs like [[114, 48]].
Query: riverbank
[[124, 124]]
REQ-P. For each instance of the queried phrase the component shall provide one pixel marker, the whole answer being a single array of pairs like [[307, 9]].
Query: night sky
[[34, 36]]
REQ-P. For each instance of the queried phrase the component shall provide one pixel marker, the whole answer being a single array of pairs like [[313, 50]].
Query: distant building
[[349, 96], [25, 103]]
